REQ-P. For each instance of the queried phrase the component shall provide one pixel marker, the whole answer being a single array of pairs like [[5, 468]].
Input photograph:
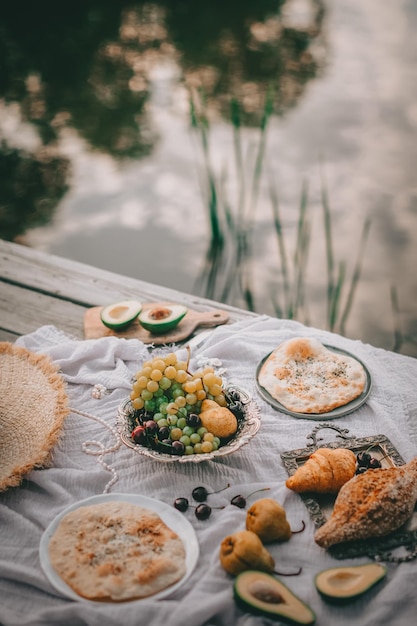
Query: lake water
[[100, 161]]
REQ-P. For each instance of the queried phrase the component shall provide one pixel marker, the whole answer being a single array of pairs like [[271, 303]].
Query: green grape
[[172, 420], [182, 412], [206, 446], [171, 358], [152, 386], [159, 364], [149, 405], [182, 422], [197, 448], [195, 438], [156, 375], [165, 383], [215, 445], [188, 430], [189, 449], [202, 431], [170, 372], [216, 441], [185, 440], [161, 421], [191, 398], [177, 392], [138, 403], [175, 434], [181, 376], [159, 392], [163, 407], [146, 394]]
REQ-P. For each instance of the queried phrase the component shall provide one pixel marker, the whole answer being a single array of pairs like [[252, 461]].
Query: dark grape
[[151, 427], [181, 504], [203, 511], [363, 459], [139, 434], [374, 463], [193, 420], [178, 448], [200, 494], [163, 433]]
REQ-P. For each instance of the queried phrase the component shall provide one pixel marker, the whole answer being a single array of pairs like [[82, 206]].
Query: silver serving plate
[[248, 427]]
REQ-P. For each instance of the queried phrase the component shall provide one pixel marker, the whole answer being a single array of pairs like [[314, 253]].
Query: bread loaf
[[372, 504]]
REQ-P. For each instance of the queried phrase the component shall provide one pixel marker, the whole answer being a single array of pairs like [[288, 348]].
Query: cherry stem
[[292, 574], [295, 532], [257, 491], [222, 489]]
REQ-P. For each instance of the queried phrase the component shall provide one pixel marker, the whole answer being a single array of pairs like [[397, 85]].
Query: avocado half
[[120, 314], [162, 318], [342, 584], [262, 594]]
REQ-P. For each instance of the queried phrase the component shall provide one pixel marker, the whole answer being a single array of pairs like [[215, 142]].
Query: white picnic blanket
[[89, 459]]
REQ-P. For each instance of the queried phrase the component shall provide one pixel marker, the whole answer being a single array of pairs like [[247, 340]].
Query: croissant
[[325, 471], [372, 504]]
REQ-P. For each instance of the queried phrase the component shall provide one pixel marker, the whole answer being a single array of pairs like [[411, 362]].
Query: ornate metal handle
[[343, 433]]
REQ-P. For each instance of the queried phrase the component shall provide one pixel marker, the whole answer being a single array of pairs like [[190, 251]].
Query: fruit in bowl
[[178, 413]]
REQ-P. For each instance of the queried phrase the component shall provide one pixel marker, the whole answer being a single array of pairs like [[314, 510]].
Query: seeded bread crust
[[116, 551], [370, 505]]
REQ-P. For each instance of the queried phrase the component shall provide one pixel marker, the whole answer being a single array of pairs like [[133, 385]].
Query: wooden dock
[[38, 289]]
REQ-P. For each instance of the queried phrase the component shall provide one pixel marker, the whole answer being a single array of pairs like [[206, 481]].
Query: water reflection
[[88, 67], [95, 124]]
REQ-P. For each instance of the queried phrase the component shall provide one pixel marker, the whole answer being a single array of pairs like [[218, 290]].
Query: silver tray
[[248, 426], [320, 506], [340, 411]]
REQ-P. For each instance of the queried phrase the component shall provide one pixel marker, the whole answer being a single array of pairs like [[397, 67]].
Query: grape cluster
[[366, 461], [167, 398]]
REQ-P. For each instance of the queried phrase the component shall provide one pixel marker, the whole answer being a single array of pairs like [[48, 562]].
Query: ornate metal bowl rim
[[248, 427]]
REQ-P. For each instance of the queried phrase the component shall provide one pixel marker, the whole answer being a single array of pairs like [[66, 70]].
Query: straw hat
[[33, 406]]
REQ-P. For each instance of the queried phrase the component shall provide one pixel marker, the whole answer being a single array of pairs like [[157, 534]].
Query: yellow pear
[[244, 551], [267, 518], [218, 420]]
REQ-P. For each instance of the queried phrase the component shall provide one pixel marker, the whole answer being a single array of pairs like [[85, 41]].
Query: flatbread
[[306, 377], [116, 551]]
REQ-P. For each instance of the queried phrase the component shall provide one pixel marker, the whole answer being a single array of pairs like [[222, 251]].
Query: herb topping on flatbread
[[306, 377]]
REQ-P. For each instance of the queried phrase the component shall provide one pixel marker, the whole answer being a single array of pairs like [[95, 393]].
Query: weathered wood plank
[[86, 285], [22, 311], [37, 289]]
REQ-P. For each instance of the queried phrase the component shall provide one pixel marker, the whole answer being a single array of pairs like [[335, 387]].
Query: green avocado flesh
[[120, 314], [341, 584], [162, 318], [262, 594]]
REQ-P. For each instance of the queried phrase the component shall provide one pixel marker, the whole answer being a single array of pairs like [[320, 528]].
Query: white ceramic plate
[[172, 518], [340, 411]]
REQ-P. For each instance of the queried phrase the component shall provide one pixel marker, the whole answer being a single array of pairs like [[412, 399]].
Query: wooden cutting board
[[94, 327]]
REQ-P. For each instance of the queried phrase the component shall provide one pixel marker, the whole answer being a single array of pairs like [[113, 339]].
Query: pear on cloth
[[267, 518], [218, 420], [244, 551]]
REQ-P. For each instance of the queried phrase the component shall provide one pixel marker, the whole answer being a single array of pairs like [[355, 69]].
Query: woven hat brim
[[33, 407]]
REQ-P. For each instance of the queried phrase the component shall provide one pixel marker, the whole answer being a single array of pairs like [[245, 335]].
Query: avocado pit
[[161, 318]]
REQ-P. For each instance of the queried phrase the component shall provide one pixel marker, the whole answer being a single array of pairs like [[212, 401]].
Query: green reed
[[228, 267]]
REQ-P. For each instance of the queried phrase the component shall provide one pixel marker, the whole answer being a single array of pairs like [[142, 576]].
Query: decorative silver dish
[[248, 425], [320, 506]]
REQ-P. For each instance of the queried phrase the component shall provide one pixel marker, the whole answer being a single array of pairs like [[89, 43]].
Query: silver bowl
[[248, 426]]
